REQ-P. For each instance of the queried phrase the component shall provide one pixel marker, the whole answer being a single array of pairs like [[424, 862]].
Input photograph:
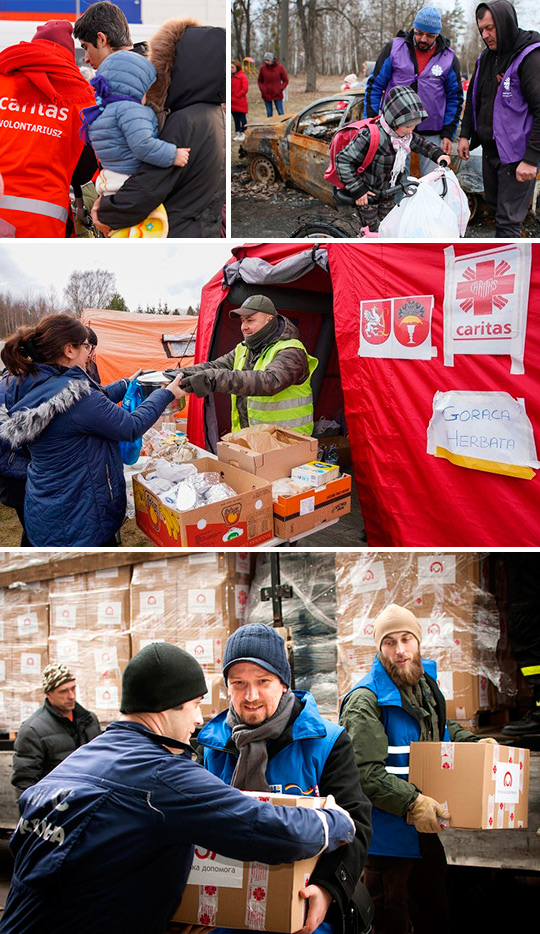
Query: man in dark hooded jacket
[[189, 90], [268, 374], [502, 114]]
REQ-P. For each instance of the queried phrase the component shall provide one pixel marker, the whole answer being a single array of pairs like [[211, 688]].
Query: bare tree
[[91, 288]]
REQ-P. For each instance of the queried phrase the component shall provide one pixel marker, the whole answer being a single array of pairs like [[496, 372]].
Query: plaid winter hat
[[402, 106], [55, 675], [428, 19], [261, 645], [396, 618]]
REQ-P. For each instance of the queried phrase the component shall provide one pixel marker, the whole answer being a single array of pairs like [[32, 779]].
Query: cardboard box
[[315, 473], [247, 895], [485, 787], [242, 520], [273, 465], [294, 515]]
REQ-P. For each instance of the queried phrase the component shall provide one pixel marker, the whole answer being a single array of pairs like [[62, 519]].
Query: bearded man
[[397, 703]]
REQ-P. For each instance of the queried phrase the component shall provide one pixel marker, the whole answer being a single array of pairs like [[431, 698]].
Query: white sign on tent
[[483, 431], [486, 296]]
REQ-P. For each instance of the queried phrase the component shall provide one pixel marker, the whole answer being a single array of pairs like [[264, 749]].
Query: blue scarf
[[104, 96]]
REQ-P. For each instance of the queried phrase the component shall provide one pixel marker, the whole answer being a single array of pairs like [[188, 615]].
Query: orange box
[[244, 519], [485, 787], [219, 892], [296, 514]]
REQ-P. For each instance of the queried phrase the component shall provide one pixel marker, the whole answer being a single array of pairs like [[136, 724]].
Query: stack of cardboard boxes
[[447, 592], [95, 621], [89, 632], [194, 601], [256, 513], [24, 629]]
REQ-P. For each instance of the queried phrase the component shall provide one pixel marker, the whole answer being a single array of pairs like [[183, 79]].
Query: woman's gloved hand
[[488, 739], [426, 815]]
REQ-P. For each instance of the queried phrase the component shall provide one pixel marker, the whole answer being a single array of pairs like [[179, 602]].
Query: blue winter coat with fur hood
[[76, 492]]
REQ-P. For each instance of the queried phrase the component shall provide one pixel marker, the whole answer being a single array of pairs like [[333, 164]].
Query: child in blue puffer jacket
[[124, 133]]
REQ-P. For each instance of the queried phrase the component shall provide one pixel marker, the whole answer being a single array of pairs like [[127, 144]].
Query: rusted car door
[[308, 141]]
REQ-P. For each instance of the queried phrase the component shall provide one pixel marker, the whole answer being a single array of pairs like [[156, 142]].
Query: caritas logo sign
[[507, 783]]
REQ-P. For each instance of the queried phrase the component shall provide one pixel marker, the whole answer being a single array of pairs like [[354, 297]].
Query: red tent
[[409, 498]]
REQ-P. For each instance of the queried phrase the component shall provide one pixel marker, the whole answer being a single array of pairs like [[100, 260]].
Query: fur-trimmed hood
[[33, 402], [190, 63]]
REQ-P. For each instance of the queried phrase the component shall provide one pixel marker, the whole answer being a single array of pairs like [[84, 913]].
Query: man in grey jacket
[[53, 731]]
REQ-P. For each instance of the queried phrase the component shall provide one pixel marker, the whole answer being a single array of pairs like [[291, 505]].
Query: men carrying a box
[[397, 703], [105, 842], [268, 375], [274, 739], [54, 731]]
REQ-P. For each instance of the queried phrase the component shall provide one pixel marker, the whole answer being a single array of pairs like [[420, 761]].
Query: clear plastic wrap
[[311, 616], [447, 592], [95, 621]]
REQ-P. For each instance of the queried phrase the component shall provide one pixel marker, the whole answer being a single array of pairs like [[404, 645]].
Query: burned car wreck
[[294, 148]]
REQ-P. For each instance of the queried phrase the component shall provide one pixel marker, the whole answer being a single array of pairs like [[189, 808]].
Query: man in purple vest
[[397, 703], [422, 60], [502, 114]]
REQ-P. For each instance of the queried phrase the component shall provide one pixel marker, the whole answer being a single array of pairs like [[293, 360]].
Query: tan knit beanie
[[396, 618]]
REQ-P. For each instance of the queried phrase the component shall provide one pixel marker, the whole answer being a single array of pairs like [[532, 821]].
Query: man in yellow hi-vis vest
[[268, 375]]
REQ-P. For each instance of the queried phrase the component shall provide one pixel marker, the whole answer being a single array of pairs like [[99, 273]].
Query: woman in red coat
[[239, 104]]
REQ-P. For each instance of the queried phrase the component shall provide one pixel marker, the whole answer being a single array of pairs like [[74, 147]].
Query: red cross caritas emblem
[[485, 287]]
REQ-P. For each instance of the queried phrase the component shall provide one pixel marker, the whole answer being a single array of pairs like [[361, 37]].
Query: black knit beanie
[[258, 643], [160, 676]]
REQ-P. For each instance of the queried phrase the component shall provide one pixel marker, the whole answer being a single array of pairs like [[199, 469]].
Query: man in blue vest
[[268, 375], [502, 114], [273, 739], [397, 703], [422, 60]]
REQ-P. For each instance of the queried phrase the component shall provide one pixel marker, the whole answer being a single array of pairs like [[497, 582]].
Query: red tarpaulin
[[408, 497]]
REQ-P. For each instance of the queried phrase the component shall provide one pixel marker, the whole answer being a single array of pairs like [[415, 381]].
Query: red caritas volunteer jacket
[[41, 94]]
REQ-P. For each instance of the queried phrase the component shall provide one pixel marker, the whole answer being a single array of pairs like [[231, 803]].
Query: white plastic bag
[[455, 197], [423, 215]]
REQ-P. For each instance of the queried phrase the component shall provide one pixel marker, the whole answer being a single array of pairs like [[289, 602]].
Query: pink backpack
[[343, 137]]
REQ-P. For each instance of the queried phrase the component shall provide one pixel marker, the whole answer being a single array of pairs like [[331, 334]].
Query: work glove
[[488, 739], [426, 815], [199, 383]]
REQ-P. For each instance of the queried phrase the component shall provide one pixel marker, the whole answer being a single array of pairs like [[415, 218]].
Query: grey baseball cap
[[255, 303]]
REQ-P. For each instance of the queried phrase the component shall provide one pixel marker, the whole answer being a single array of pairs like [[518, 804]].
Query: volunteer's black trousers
[[405, 889], [507, 198]]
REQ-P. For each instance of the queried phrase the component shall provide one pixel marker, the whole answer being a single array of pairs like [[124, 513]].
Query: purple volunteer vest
[[512, 118], [431, 81]]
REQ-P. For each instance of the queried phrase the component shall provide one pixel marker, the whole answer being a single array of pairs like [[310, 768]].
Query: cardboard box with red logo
[[485, 787], [270, 465], [296, 514], [223, 892], [243, 520]]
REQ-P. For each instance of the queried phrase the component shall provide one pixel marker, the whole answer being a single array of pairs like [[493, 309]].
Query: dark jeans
[[409, 890], [508, 199], [240, 121], [372, 214], [12, 490], [268, 105]]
